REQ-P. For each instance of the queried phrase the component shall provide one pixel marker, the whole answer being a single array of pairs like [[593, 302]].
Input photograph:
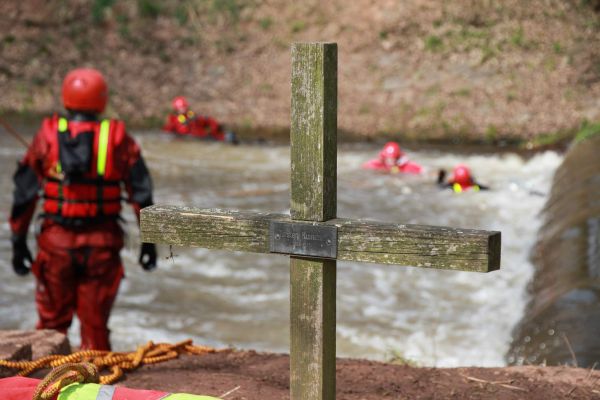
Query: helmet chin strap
[[78, 115]]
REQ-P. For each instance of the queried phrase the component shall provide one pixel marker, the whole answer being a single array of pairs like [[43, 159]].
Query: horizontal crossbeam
[[357, 240]]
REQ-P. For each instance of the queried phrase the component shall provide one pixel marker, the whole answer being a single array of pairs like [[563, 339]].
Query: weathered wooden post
[[314, 198], [313, 236]]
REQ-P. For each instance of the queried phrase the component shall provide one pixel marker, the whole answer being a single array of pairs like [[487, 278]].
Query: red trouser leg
[[55, 290], [96, 293], [81, 279]]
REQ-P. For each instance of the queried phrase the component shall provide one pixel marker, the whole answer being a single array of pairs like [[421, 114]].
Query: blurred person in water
[[393, 160], [79, 164], [461, 180], [183, 121]]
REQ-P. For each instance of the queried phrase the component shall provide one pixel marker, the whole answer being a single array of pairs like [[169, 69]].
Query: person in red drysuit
[[78, 164], [184, 121], [392, 159], [461, 180]]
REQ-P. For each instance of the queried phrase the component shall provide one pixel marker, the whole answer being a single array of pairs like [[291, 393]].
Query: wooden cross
[[312, 236]]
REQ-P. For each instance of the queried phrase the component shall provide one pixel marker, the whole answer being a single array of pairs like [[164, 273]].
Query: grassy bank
[[469, 71]]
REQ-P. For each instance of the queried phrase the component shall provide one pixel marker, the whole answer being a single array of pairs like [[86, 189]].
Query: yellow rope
[[62, 376], [114, 362]]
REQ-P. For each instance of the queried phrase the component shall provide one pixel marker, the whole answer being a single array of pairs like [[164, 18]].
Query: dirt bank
[[248, 375], [417, 70]]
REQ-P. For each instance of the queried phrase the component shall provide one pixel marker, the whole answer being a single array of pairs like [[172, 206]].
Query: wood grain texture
[[312, 330], [314, 131], [358, 240]]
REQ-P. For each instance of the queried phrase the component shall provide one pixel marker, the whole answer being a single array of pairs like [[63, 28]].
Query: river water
[[218, 298]]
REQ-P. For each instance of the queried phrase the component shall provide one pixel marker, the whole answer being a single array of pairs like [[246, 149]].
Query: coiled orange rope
[[115, 362], [65, 375]]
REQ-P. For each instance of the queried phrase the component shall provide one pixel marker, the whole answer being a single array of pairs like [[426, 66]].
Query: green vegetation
[[98, 9], [183, 11], [123, 26], [434, 43], [433, 90], [27, 96], [491, 133], [364, 109], [587, 131], [265, 23], [232, 8], [464, 39], [558, 48], [265, 87], [247, 122], [396, 357], [149, 8], [181, 14], [462, 92], [225, 45], [517, 38], [550, 63], [549, 139], [298, 26]]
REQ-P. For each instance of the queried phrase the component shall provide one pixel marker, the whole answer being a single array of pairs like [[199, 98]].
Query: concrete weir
[[561, 324]]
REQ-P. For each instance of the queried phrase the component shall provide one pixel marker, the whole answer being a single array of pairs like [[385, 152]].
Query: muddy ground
[[248, 375]]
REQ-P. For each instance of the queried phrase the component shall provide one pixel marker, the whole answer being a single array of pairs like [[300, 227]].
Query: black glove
[[148, 256], [21, 254], [441, 180]]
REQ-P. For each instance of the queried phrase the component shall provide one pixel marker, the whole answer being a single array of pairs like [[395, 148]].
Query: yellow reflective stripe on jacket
[[87, 391], [63, 126], [77, 391], [458, 188], [94, 391], [103, 146]]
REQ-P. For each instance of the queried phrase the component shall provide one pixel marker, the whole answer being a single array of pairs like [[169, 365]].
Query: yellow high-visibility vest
[[63, 126], [94, 391]]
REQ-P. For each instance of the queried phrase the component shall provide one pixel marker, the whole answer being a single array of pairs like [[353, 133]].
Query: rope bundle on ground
[[65, 375], [115, 362]]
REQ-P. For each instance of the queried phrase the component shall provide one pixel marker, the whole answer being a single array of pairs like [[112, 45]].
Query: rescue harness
[[458, 188], [184, 118], [77, 190]]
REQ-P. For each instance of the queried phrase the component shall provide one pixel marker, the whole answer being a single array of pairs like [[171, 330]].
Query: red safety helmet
[[462, 175], [84, 89], [180, 104], [391, 150]]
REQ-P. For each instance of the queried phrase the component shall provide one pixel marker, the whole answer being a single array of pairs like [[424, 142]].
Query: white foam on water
[[467, 318], [442, 318]]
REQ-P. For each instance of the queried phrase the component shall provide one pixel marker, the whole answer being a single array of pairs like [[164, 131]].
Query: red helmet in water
[[391, 150], [462, 175], [180, 104], [84, 89]]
